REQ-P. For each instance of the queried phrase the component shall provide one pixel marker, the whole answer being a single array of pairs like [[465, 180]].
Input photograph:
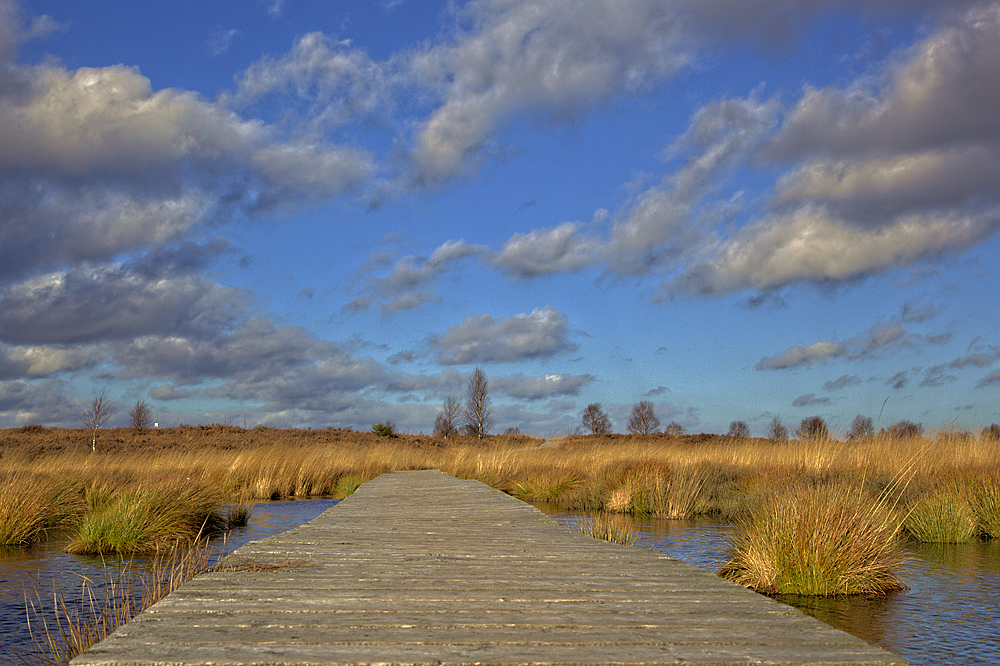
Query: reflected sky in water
[[45, 565]]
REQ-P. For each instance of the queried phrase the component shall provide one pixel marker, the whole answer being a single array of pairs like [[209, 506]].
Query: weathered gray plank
[[421, 568]]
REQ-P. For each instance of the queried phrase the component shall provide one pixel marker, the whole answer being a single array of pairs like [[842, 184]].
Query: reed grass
[[819, 542], [608, 528], [943, 517], [144, 518], [61, 629], [985, 502], [29, 505]]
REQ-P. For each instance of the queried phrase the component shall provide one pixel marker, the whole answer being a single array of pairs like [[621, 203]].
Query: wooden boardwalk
[[424, 568]]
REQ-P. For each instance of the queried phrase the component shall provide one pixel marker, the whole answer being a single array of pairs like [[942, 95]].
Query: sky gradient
[[306, 214]]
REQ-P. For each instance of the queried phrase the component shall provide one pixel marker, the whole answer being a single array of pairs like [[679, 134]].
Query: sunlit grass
[[821, 542], [942, 517]]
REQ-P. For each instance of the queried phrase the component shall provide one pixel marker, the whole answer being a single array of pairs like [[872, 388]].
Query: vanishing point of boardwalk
[[424, 568]]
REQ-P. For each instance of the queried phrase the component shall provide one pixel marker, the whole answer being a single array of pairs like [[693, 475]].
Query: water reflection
[[44, 567], [948, 615]]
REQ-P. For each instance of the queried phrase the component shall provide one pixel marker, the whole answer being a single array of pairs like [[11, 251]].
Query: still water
[[39, 567], [950, 613]]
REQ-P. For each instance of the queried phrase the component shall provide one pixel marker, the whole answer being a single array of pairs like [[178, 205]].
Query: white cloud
[[482, 339], [809, 246], [555, 58]]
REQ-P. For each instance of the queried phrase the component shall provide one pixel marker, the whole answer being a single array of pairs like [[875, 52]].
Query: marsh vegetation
[[814, 515]]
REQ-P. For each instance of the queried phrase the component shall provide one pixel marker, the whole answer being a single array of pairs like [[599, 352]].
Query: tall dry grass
[[836, 540]]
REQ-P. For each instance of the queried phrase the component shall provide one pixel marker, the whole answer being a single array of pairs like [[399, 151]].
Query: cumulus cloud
[[323, 83], [96, 163], [881, 177], [542, 333], [554, 58], [150, 296], [991, 379]]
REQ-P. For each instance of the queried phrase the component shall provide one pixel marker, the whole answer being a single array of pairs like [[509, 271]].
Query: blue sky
[[316, 214]]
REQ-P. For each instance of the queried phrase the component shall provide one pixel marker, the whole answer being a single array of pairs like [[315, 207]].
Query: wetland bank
[[889, 491]]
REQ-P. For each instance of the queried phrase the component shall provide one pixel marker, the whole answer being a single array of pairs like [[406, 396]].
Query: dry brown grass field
[[942, 487]]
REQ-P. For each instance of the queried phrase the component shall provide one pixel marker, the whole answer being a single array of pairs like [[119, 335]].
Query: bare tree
[[813, 427], [643, 420], [595, 420], [777, 429], [739, 429], [446, 423], [861, 428], [141, 416], [478, 414], [97, 414], [674, 429]]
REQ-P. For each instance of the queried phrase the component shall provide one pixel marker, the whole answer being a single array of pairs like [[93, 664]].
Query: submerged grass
[[61, 629], [608, 528]]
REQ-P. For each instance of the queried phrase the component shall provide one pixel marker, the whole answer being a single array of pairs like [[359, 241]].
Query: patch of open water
[[950, 613], [45, 564]]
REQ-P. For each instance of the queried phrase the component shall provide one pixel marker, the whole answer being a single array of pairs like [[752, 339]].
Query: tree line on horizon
[[473, 417]]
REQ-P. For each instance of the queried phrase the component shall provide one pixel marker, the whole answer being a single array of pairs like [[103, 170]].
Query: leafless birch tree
[[643, 420], [478, 410], [97, 414], [446, 423]]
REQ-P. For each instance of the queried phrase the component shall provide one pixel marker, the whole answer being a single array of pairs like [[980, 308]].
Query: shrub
[[386, 429], [992, 431], [818, 542]]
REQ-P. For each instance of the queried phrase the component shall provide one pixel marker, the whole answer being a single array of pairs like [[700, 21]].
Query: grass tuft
[[144, 518], [820, 542], [943, 517], [985, 501], [28, 506]]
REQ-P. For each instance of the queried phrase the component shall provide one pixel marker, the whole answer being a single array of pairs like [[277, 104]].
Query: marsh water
[[45, 565], [950, 613]]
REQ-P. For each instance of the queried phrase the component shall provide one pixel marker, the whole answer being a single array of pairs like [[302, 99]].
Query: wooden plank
[[424, 568]]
